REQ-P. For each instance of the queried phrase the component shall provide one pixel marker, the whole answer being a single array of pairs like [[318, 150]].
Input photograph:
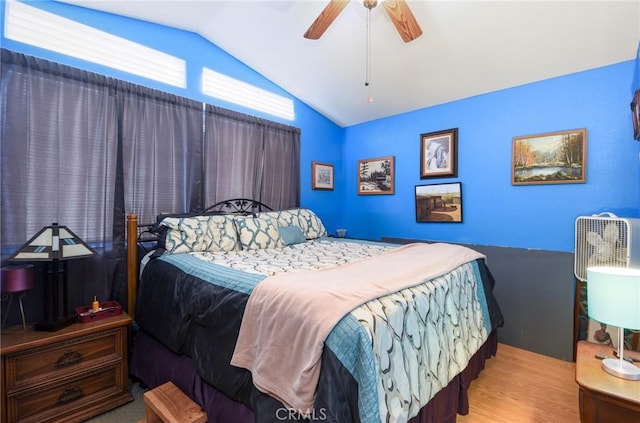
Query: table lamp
[[16, 279], [613, 295], [53, 244]]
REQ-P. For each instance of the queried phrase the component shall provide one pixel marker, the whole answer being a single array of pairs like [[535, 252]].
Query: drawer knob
[[70, 394], [68, 358]]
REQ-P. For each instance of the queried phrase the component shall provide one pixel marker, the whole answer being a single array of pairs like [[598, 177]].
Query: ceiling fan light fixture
[[397, 10], [369, 4]]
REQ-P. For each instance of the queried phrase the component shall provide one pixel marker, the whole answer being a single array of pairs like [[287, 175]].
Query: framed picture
[[635, 115], [321, 176], [439, 203], [600, 333], [552, 158], [439, 154], [375, 176]]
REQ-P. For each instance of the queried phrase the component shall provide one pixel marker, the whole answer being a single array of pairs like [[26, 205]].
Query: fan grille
[[600, 241]]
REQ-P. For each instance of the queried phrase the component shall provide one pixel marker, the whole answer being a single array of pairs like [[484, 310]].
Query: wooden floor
[[523, 387]]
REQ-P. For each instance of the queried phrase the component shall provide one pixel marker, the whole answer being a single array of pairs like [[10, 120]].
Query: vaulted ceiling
[[467, 48]]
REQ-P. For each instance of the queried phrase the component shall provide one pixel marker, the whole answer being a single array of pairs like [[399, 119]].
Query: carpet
[[132, 412]]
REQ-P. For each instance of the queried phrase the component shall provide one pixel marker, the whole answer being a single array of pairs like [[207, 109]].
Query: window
[[234, 91], [39, 28]]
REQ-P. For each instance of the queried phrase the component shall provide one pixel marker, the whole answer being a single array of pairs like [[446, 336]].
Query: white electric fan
[[606, 240]]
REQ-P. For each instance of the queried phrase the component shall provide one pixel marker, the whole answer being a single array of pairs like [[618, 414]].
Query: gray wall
[[535, 290]]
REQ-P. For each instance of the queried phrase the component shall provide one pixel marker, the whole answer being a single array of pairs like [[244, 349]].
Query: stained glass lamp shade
[[53, 244]]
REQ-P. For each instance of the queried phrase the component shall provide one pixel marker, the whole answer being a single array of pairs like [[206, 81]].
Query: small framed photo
[[439, 154], [439, 203], [321, 176], [375, 176], [551, 158]]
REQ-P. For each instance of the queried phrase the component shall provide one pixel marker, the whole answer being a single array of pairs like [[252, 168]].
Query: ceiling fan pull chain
[[368, 58]]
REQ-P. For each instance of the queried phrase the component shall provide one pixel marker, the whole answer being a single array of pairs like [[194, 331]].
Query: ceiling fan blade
[[326, 17], [403, 19]]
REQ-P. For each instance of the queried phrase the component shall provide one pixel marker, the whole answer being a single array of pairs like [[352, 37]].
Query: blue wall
[[495, 212]]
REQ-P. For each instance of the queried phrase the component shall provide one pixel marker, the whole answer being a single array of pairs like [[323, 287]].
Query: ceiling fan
[[398, 11]]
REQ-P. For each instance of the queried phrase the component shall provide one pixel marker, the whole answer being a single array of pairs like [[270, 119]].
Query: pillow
[[311, 224], [283, 217], [305, 219], [161, 230], [199, 233], [256, 233], [291, 235]]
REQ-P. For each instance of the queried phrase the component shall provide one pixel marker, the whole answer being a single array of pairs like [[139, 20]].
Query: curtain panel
[[269, 151], [162, 152], [83, 150], [280, 187], [58, 164]]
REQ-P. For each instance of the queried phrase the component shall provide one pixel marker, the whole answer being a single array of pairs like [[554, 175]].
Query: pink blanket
[[289, 316]]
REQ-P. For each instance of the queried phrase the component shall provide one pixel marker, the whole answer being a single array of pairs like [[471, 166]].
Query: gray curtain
[[268, 151], [59, 140], [229, 142], [162, 152], [280, 187], [83, 150]]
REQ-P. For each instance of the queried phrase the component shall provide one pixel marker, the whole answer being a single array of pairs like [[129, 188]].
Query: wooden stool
[[168, 404]]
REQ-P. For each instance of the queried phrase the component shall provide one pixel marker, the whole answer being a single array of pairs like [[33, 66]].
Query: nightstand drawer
[[55, 361], [69, 375], [70, 400]]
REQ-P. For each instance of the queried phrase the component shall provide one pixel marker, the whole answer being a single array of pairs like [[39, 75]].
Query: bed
[[212, 293]]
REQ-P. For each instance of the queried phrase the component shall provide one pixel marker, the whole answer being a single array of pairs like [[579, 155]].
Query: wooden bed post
[[132, 262]]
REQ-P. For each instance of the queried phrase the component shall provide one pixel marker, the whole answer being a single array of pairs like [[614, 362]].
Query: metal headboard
[[237, 206]]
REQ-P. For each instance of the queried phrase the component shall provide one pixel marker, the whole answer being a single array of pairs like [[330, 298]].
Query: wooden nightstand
[[70, 375], [603, 397]]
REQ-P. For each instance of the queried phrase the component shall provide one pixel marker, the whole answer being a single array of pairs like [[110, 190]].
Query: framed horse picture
[[439, 154]]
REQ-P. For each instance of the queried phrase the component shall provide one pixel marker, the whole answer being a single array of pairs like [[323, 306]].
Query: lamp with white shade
[[614, 299]]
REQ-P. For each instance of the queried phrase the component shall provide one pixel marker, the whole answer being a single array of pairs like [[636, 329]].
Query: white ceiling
[[468, 47]]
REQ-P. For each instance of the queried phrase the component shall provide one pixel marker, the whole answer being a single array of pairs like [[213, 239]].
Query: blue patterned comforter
[[396, 352]]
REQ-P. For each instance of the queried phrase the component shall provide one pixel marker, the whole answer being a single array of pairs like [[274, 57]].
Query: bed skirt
[[153, 364]]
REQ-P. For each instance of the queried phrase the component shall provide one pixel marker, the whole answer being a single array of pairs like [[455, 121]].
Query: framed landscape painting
[[375, 176], [439, 203], [321, 176], [552, 158]]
